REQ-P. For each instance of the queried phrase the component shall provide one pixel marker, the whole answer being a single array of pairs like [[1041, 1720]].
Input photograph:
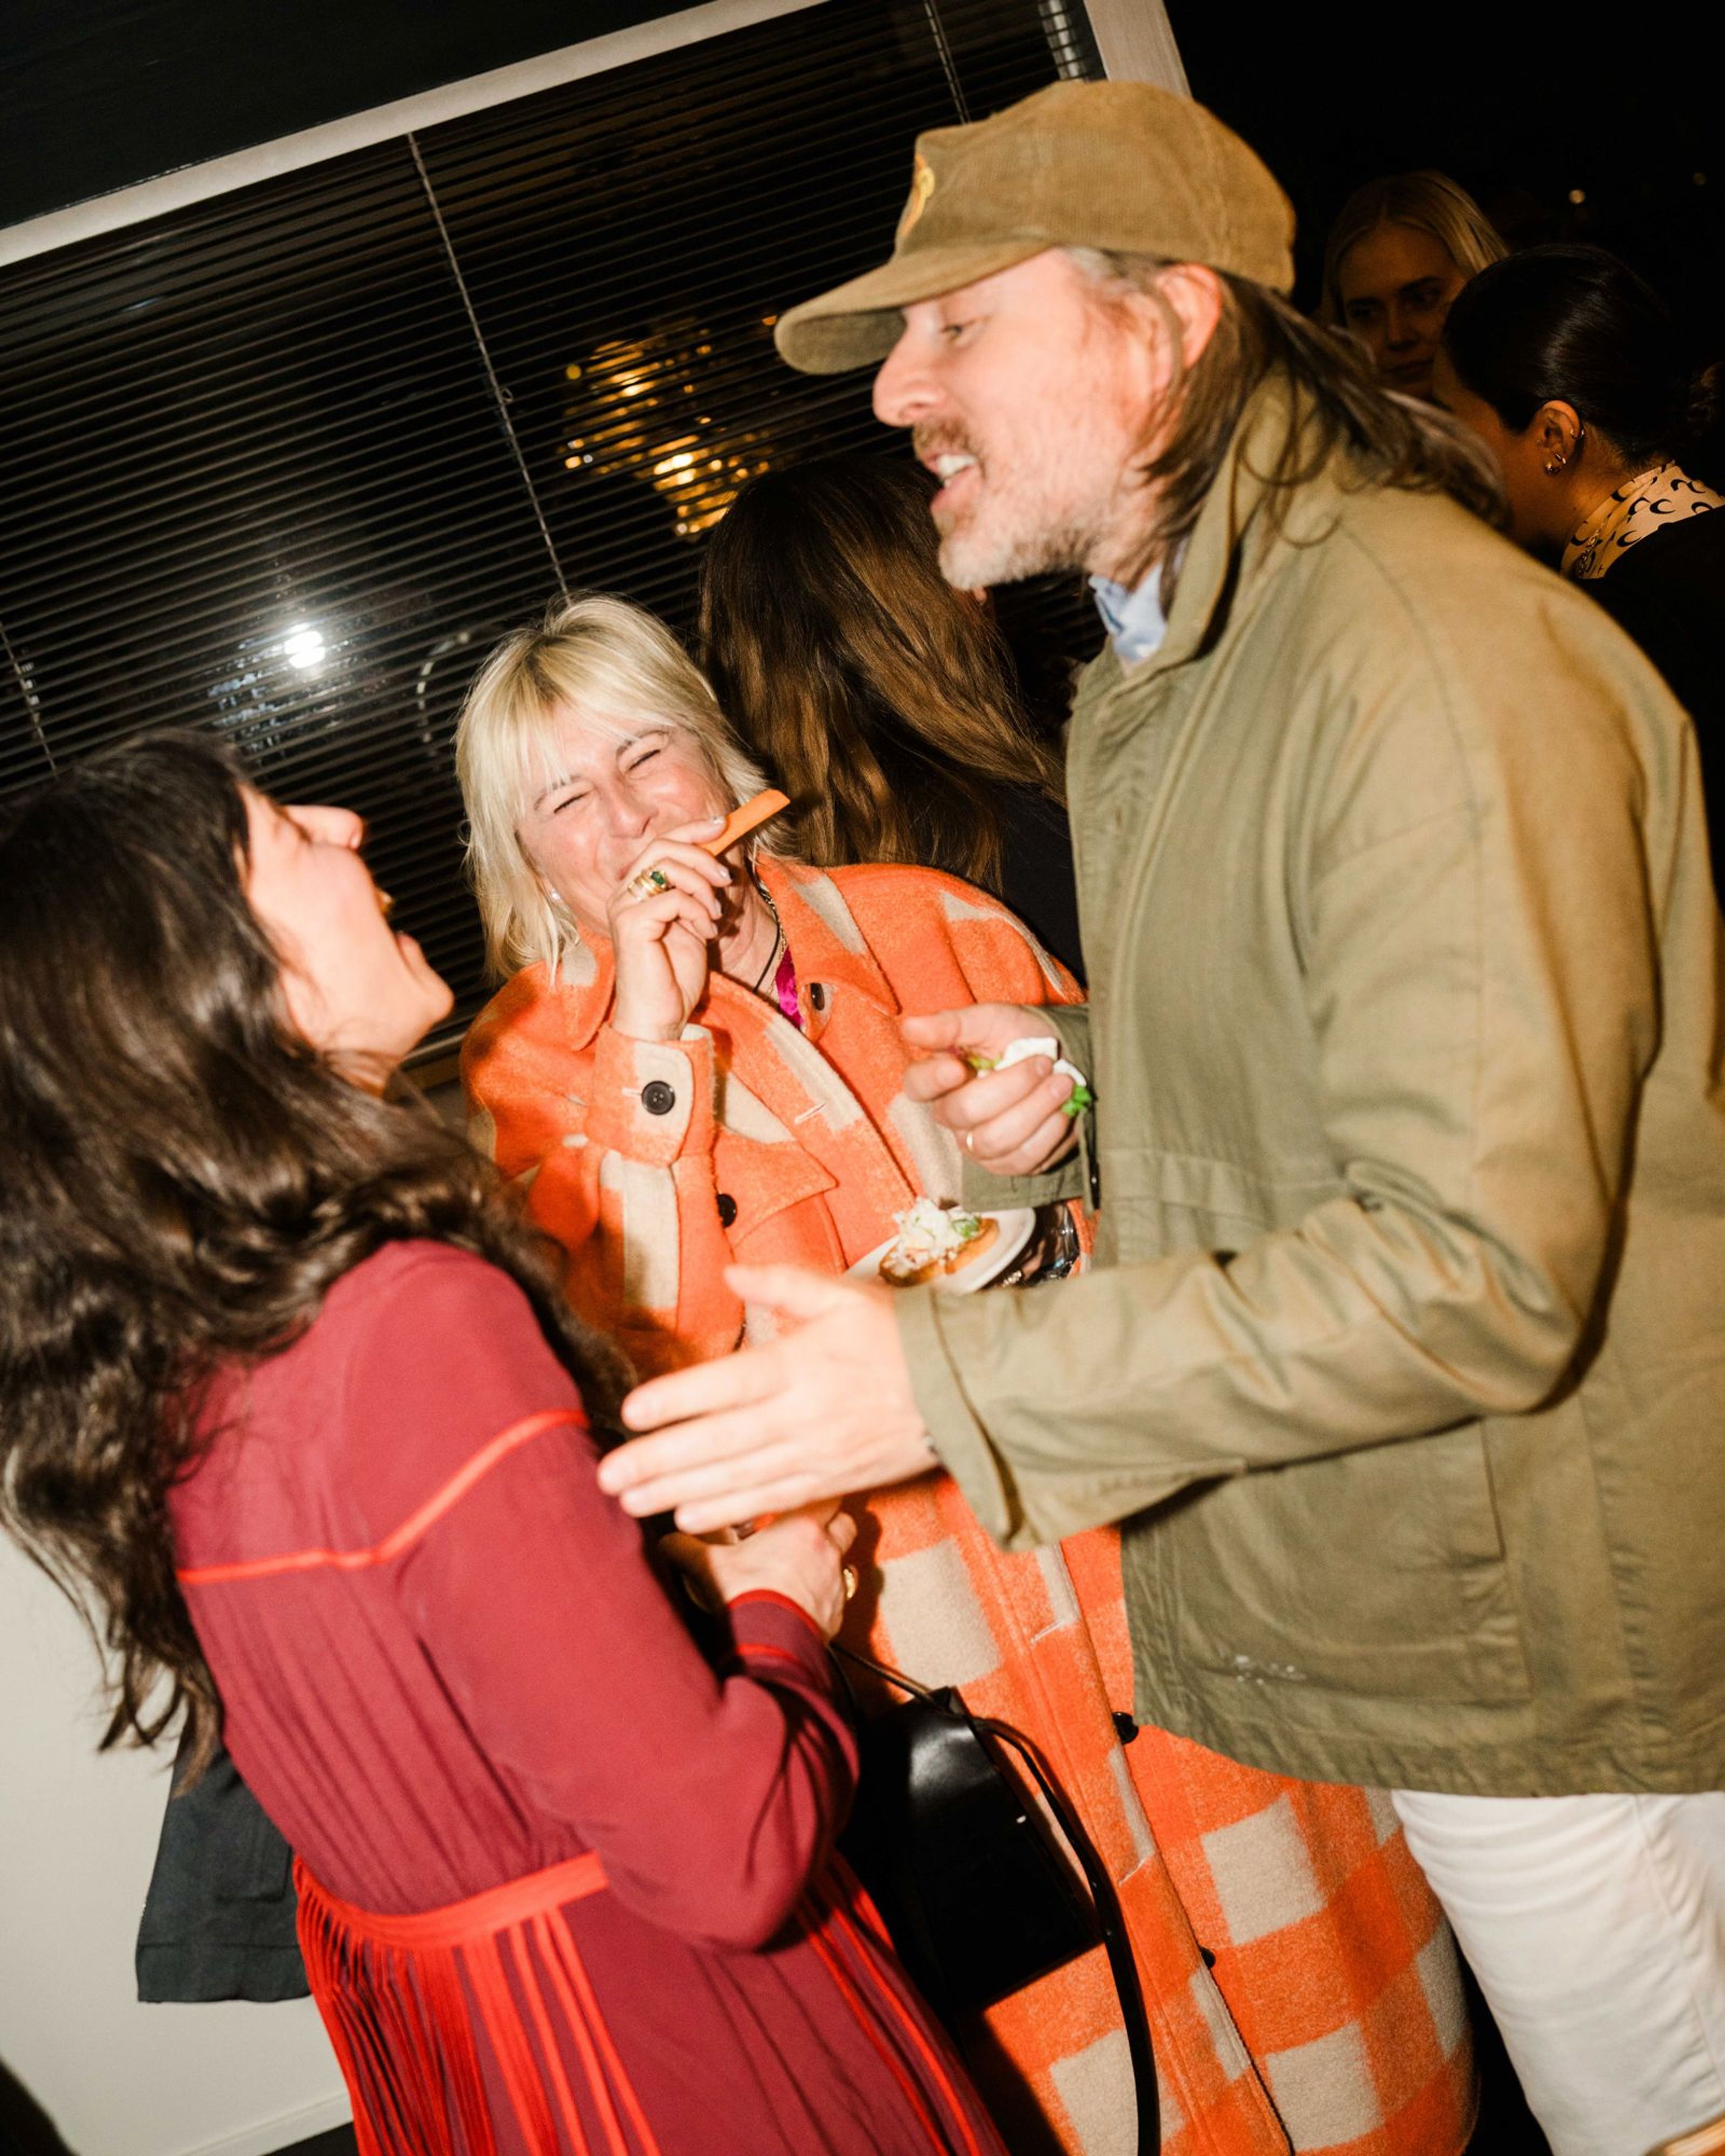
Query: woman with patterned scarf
[[1571, 370], [695, 1062]]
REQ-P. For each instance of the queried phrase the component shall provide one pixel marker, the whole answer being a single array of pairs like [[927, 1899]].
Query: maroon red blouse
[[447, 1664]]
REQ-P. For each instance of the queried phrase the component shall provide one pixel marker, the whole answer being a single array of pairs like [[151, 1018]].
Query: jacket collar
[[1218, 559], [826, 946]]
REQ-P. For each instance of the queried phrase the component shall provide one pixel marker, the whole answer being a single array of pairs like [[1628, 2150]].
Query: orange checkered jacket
[[1302, 1990]]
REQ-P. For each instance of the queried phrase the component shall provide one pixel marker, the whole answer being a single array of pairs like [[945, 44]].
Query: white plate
[[1017, 1224]]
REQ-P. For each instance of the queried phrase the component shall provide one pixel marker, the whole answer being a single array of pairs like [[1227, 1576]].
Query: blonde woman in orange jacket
[[696, 1062]]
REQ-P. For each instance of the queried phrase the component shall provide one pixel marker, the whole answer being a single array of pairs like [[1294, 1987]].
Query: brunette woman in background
[[882, 700], [301, 1416], [1574, 373]]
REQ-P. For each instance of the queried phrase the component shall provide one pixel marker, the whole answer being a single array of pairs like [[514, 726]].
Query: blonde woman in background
[[683, 1080], [1399, 252]]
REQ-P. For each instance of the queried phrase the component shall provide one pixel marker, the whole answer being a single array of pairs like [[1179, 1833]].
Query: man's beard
[[971, 559], [1031, 533]]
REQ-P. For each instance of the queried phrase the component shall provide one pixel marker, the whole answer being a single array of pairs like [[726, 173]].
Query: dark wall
[[1529, 105], [97, 94]]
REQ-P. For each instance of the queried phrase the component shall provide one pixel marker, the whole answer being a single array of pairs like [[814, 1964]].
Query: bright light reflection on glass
[[303, 647]]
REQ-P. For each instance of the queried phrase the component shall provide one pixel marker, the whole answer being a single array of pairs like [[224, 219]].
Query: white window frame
[[383, 123], [1134, 38]]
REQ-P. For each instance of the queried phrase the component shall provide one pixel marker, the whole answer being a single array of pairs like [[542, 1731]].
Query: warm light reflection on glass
[[629, 417]]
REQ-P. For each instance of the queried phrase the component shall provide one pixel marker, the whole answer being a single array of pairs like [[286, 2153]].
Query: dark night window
[[284, 463]]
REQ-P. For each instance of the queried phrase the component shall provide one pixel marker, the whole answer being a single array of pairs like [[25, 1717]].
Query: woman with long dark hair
[[881, 700], [300, 1417], [1574, 373]]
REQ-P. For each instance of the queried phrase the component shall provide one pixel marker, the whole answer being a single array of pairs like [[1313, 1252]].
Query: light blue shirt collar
[[1134, 619]]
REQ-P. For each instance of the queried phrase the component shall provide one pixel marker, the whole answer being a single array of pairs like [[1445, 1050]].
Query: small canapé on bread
[[934, 1241]]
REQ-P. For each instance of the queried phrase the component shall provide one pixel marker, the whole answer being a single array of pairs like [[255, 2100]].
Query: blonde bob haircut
[[612, 665], [1426, 201]]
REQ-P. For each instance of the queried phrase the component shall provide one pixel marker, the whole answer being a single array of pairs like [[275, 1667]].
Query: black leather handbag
[[978, 1897]]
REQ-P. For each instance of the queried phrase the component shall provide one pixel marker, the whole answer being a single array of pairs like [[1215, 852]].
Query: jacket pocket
[[1163, 1201], [1378, 1572]]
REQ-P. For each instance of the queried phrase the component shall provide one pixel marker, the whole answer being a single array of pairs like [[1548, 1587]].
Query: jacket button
[[727, 1209], [818, 995], [657, 1098], [1125, 1728]]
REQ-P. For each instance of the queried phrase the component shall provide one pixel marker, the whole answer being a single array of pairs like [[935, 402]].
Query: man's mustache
[[942, 441]]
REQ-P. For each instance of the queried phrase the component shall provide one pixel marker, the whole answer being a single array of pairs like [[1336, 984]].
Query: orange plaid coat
[[1302, 1989]]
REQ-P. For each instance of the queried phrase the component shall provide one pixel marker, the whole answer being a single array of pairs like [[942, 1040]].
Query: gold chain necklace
[[777, 936]]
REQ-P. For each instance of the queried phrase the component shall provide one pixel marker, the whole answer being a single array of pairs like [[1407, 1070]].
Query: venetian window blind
[[283, 465]]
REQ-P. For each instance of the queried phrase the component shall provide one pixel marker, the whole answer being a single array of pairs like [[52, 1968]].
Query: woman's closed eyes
[[633, 757]]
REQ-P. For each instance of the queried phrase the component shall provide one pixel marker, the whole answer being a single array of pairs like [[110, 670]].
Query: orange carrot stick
[[742, 821]]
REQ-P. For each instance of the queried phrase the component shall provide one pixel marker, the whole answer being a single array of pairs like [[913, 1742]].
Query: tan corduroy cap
[[1121, 165]]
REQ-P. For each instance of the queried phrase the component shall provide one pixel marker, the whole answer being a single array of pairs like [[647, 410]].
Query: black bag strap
[[1110, 1920]]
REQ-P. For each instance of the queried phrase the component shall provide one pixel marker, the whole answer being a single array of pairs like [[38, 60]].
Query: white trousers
[[1596, 1927]]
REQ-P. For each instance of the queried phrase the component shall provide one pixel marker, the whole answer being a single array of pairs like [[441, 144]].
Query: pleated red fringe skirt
[[474, 2030], [402, 1998]]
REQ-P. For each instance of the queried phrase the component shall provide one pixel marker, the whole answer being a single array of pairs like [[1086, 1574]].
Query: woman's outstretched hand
[[661, 939], [1010, 1121], [825, 1409], [799, 1554]]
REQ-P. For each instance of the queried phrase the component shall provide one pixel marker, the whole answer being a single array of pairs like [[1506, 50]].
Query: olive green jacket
[[1404, 1357]]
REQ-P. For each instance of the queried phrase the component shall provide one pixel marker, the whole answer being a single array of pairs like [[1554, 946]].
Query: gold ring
[[650, 882], [849, 1577]]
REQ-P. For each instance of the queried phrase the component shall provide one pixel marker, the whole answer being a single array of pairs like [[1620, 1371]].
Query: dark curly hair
[[185, 1178]]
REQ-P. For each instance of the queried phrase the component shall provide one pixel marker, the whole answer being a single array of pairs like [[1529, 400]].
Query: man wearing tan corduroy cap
[[1402, 1362]]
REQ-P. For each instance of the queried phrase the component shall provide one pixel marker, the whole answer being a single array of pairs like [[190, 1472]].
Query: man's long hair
[[1337, 408], [184, 1179]]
